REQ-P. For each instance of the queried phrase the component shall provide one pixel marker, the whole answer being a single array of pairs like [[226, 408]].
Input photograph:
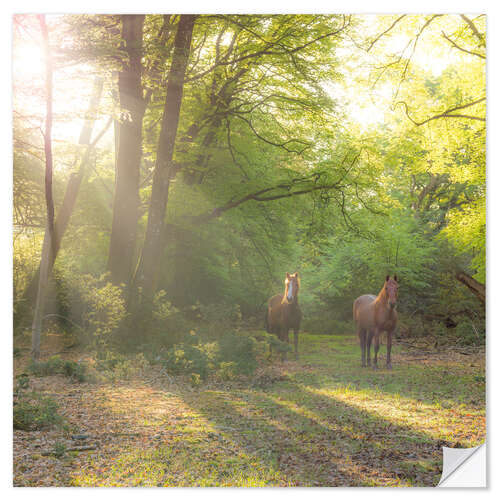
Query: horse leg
[[284, 338], [296, 342], [362, 343], [376, 346], [389, 346], [369, 337]]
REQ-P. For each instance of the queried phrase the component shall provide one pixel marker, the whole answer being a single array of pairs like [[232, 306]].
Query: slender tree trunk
[[147, 271], [478, 289], [122, 244], [36, 328], [70, 195]]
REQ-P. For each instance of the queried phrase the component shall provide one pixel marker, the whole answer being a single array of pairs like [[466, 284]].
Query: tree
[[72, 189], [48, 245], [164, 169], [122, 244]]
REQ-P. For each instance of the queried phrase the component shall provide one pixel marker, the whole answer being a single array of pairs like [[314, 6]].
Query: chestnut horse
[[283, 312], [372, 315]]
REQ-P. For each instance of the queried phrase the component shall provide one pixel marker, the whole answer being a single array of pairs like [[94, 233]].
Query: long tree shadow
[[317, 441], [449, 384]]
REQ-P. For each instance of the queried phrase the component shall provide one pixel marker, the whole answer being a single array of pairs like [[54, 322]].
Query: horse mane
[[382, 295]]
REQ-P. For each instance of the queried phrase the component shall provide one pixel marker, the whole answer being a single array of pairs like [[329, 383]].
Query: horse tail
[[266, 321]]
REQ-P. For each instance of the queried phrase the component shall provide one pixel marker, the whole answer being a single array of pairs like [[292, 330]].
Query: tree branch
[[449, 113], [264, 196], [472, 26], [461, 48], [272, 143], [375, 40]]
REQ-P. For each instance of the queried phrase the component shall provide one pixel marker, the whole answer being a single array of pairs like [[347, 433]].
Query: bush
[[34, 412], [53, 366], [186, 359], [239, 349], [469, 333], [57, 366], [93, 304], [59, 449], [23, 381], [75, 370], [153, 324], [227, 370], [215, 319], [114, 366]]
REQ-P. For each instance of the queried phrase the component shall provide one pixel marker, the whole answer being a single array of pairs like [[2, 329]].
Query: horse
[[283, 312], [373, 315]]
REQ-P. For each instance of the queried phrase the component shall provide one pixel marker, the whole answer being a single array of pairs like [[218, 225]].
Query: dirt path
[[321, 421]]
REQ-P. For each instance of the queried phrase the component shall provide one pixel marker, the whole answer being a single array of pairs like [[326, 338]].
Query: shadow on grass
[[337, 364], [314, 440]]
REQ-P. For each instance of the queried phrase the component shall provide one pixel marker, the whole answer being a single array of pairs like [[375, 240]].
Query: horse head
[[292, 285], [391, 290]]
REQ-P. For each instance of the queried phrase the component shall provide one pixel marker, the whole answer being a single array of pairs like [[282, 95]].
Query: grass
[[320, 421]]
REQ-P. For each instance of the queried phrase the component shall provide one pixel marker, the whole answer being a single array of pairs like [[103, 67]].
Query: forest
[[170, 172]]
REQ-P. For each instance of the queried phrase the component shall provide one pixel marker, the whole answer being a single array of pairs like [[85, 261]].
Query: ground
[[319, 421]]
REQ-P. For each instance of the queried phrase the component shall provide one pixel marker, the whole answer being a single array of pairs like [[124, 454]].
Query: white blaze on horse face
[[290, 290]]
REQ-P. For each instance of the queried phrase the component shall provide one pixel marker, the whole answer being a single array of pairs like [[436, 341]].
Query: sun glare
[[28, 61]]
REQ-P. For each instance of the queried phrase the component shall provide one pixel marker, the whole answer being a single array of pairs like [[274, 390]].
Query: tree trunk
[[70, 196], [122, 244], [147, 273], [478, 289], [36, 328]]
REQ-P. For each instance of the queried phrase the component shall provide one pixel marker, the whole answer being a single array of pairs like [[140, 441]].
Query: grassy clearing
[[320, 421]]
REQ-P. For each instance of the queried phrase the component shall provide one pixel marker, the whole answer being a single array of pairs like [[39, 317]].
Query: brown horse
[[283, 312], [372, 315]]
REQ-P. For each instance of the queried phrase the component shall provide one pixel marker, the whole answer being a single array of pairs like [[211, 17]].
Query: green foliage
[[59, 449], [22, 382], [239, 349], [93, 305], [470, 332], [227, 370], [113, 366], [55, 366], [184, 359], [287, 116], [160, 323], [232, 355], [34, 411]]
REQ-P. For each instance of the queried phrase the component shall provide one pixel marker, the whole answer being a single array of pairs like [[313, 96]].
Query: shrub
[[57, 366], [227, 370], [23, 381], [159, 324], [239, 349], [75, 370], [59, 449], [186, 359], [52, 366], [468, 333], [34, 412], [93, 304], [115, 366]]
